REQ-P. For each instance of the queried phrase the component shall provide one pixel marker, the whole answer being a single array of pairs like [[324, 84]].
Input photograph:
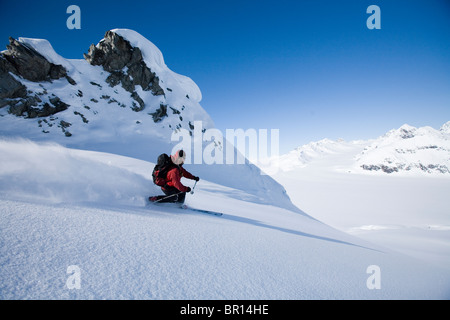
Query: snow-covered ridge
[[406, 150], [155, 61], [445, 127], [45, 48], [167, 103], [151, 54]]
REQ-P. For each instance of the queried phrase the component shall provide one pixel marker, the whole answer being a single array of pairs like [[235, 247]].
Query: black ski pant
[[172, 194]]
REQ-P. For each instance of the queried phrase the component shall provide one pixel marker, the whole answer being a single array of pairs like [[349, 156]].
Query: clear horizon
[[312, 69]]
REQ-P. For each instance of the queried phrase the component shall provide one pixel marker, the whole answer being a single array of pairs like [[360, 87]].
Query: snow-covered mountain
[[406, 150], [409, 149], [121, 89], [314, 151], [122, 99]]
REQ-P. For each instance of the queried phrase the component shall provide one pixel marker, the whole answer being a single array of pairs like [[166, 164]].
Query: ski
[[214, 213], [185, 207]]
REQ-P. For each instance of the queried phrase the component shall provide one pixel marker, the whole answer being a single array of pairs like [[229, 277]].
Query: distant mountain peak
[[445, 127], [406, 131], [407, 150]]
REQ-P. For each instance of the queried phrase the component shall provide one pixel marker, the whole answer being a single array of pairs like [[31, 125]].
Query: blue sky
[[311, 69]]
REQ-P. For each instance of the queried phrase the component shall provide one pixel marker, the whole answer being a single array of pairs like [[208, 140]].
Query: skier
[[173, 189]]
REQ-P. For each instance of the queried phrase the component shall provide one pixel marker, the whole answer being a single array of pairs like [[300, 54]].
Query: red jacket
[[174, 178]]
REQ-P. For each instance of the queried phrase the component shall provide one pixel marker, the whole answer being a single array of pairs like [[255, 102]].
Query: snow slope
[[101, 118], [76, 196], [63, 207]]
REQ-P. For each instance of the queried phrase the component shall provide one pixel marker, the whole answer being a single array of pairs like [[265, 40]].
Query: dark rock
[[26, 62], [406, 134], [160, 113], [70, 80], [139, 100], [115, 78], [20, 107], [175, 111], [59, 105], [383, 168], [10, 88], [64, 125], [57, 72], [17, 108], [191, 126], [82, 116], [29, 106], [114, 53], [95, 84]]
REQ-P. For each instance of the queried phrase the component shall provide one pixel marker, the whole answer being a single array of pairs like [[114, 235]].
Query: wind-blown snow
[[54, 174], [62, 207]]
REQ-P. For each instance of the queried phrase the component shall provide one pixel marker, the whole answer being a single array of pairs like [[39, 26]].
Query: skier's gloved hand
[[188, 189], [196, 178]]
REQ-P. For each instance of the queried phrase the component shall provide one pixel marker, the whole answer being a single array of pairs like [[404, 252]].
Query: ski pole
[[192, 191]]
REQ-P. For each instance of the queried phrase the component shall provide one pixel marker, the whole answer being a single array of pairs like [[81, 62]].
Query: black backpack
[[163, 165]]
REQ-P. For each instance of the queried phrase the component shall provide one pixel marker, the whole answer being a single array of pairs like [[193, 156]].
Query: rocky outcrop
[[125, 65], [10, 88], [160, 113], [124, 71], [430, 168], [25, 62], [123, 62]]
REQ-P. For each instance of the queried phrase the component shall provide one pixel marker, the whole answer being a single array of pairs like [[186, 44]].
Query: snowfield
[[405, 210], [63, 207]]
